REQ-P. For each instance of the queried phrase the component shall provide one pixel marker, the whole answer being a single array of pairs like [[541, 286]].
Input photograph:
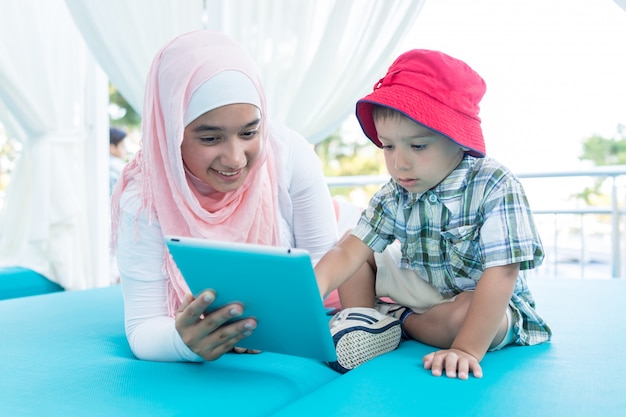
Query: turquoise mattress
[[65, 354], [21, 282]]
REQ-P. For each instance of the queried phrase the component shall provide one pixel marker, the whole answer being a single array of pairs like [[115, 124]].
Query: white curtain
[[46, 77], [125, 35], [316, 57], [621, 3]]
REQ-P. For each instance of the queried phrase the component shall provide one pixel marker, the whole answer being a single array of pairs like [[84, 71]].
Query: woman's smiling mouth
[[229, 173]]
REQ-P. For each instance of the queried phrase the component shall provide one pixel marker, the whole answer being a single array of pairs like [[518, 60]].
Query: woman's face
[[221, 146]]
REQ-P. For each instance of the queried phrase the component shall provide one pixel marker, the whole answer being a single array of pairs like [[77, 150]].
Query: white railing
[[597, 256]]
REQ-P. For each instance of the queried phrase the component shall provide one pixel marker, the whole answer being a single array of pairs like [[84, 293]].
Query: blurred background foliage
[[121, 113], [601, 151]]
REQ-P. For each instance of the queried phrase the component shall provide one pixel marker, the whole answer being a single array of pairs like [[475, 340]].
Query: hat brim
[[425, 110]]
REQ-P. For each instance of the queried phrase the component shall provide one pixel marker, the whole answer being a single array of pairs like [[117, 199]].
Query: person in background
[[449, 239], [212, 165], [117, 155]]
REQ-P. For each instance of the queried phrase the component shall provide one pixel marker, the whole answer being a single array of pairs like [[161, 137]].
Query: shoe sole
[[360, 344]]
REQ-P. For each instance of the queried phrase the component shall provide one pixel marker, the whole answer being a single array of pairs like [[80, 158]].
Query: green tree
[[120, 112], [602, 151], [343, 157]]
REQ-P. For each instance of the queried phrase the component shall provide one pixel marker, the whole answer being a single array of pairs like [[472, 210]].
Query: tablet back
[[276, 285]]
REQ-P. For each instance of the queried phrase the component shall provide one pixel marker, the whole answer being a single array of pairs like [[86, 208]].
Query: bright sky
[[555, 72]]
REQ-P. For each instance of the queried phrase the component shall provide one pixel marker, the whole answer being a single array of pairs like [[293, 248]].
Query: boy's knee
[[371, 261], [345, 235]]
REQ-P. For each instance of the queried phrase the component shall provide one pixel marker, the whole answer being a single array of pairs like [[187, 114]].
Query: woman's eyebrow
[[252, 123], [203, 127]]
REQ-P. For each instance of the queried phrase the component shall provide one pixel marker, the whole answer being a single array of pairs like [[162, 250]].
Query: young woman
[[212, 165]]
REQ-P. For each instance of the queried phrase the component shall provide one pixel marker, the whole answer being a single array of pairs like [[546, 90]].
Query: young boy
[[449, 238]]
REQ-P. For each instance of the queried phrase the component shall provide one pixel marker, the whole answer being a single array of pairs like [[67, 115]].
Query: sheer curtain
[[45, 222], [316, 57], [125, 35]]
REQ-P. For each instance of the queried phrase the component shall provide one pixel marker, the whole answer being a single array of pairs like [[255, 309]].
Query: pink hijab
[[168, 193]]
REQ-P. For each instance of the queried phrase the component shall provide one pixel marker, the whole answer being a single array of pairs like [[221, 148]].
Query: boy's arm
[[340, 263], [484, 316]]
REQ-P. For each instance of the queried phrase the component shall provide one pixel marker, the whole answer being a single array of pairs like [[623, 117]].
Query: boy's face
[[417, 158]]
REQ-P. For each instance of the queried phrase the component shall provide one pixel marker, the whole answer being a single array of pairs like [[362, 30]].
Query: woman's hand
[[206, 334]]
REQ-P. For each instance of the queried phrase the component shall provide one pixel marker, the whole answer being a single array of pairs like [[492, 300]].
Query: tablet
[[276, 285]]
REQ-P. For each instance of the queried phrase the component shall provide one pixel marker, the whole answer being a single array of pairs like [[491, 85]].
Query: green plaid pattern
[[477, 217]]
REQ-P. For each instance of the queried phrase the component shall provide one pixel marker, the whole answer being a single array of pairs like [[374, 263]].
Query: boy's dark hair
[[383, 112]]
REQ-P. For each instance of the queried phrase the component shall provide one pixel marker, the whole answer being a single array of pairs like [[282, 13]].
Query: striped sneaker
[[396, 311], [361, 334]]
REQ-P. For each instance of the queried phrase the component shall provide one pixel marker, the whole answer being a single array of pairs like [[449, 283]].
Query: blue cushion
[[581, 372], [22, 282], [66, 354]]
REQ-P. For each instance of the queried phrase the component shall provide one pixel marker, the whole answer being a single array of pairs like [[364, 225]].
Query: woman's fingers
[[207, 334], [224, 339]]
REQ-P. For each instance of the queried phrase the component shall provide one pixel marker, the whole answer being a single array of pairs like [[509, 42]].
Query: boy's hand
[[454, 361]]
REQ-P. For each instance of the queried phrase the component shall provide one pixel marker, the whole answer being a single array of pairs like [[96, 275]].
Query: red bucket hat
[[434, 90]]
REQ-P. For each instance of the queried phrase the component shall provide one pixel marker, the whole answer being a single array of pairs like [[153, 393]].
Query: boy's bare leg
[[359, 331], [439, 326], [360, 289]]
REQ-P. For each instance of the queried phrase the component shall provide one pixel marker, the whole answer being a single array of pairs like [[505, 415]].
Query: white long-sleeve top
[[307, 222]]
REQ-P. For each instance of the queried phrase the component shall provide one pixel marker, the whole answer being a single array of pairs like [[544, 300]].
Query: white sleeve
[[313, 223], [151, 333]]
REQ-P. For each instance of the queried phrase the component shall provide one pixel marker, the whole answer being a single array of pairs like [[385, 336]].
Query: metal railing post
[[615, 232]]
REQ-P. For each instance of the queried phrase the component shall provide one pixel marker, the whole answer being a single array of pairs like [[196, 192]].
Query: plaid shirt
[[477, 217]]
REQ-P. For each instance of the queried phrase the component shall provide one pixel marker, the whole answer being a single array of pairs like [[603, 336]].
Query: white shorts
[[402, 285], [509, 337], [406, 288]]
